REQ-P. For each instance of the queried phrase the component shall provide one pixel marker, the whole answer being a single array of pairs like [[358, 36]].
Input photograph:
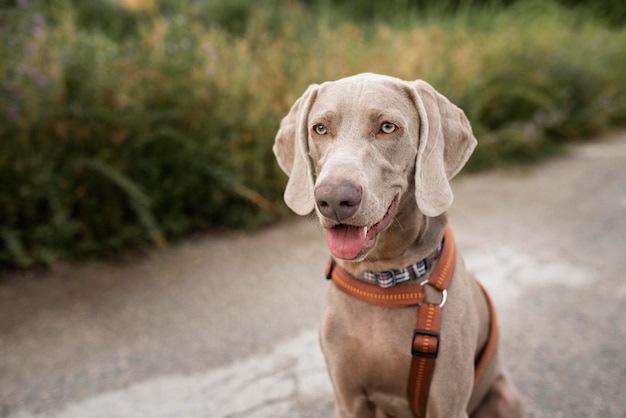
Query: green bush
[[129, 123], [560, 83]]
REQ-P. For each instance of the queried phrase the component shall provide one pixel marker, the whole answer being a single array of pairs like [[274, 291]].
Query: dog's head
[[356, 147]]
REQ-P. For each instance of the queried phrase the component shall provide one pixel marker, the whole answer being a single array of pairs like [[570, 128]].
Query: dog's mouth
[[349, 242]]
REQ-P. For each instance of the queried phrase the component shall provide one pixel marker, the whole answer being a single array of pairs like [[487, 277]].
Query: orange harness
[[426, 335]]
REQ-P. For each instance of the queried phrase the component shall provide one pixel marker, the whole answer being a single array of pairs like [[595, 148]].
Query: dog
[[373, 156]]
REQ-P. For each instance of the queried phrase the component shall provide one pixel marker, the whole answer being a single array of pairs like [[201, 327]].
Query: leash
[[426, 335]]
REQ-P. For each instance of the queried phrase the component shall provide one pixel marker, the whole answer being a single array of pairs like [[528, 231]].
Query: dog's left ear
[[445, 144]]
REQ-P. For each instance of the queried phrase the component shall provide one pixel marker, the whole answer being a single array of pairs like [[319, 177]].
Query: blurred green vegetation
[[128, 123]]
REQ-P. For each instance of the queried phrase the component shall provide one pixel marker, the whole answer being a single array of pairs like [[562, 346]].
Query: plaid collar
[[391, 278]]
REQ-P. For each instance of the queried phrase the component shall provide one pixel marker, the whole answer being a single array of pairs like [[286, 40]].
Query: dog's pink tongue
[[346, 241]]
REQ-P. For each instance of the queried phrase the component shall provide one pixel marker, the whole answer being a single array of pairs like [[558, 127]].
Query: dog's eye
[[320, 129], [388, 127]]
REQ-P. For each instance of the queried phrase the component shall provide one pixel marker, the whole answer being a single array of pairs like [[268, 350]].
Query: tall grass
[[126, 123]]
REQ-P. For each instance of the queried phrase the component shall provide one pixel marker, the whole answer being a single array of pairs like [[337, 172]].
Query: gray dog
[[373, 156]]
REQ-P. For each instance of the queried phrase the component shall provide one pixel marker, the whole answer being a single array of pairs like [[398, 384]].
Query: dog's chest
[[370, 343]]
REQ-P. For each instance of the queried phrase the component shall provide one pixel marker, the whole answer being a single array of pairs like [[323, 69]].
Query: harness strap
[[403, 296], [492, 340], [426, 335]]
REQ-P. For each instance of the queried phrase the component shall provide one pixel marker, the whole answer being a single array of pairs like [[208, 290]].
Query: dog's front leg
[[345, 361], [356, 407], [449, 401], [451, 388], [350, 399]]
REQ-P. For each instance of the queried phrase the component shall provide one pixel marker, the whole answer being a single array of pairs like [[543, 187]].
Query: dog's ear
[[445, 144], [292, 152]]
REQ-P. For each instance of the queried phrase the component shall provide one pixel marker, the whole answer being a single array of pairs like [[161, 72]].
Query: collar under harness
[[391, 278]]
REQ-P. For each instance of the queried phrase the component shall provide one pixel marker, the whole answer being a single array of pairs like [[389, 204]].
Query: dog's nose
[[338, 199]]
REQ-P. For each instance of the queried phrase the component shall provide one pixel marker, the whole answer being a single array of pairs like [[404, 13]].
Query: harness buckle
[[418, 343]]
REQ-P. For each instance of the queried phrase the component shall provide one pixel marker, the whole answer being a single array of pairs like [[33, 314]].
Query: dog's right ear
[[292, 153]]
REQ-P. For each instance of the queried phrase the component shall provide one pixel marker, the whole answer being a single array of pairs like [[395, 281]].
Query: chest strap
[[426, 335]]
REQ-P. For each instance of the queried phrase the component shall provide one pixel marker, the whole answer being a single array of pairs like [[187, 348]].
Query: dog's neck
[[411, 237]]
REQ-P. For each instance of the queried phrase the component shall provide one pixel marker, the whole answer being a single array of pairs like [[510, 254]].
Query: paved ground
[[226, 326]]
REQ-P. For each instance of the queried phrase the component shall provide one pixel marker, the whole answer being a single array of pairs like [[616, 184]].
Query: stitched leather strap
[[492, 340], [402, 296], [424, 350], [426, 336]]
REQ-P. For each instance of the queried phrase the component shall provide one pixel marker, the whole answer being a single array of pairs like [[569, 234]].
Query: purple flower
[[38, 19], [42, 80], [13, 112]]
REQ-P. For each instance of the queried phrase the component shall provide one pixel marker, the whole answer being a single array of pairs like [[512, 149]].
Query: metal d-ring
[[444, 293]]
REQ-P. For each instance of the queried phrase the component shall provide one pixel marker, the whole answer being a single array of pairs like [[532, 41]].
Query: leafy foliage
[[132, 122]]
